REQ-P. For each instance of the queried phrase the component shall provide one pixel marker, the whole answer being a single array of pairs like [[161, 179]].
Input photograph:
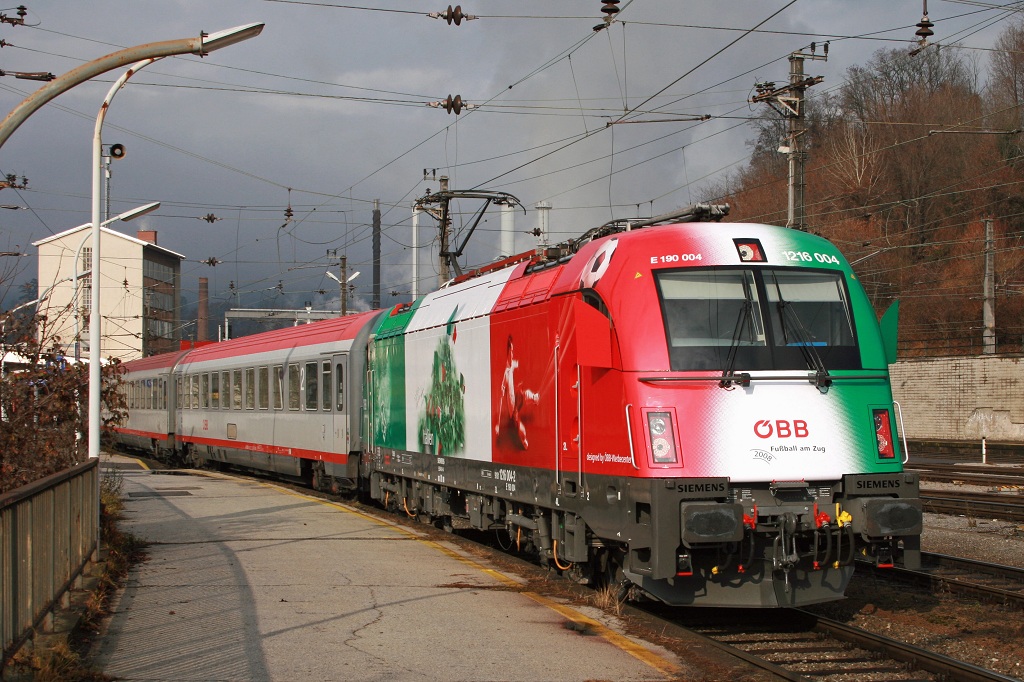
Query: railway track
[[946, 574], [802, 646], [973, 474], [1008, 507]]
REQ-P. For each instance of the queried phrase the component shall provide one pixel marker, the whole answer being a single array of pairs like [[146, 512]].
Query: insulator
[[455, 15], [610, 7], [453, 104], [924, 30], [288, 212]]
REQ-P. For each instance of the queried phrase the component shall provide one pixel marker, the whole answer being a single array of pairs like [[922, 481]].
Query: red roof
[[325, 331]]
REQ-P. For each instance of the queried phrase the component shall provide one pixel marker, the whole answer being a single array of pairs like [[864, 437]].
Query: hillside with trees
[[907, 157]]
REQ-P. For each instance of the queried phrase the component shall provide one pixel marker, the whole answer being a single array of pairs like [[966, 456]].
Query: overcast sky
[[327, 110]]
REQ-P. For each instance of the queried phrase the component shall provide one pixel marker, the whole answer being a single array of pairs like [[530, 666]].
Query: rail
[[48, 532]]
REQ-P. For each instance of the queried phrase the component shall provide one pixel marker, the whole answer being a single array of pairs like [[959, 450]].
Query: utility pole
[[446, 228], [343, 283], [789, 101], [376, 254], [988, 307]]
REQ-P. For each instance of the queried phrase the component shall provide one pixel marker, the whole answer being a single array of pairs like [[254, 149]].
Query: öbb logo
[[781, 428]]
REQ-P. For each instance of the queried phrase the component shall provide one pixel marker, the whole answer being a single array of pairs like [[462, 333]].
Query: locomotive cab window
[[738, 319]]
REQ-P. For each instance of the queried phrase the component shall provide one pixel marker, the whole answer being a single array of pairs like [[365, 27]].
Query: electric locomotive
[[700, 412]]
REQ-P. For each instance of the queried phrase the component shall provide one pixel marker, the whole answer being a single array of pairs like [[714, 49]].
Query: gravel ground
[[987, 635]]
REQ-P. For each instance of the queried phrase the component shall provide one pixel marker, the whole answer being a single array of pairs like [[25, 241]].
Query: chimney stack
[[203, 323], [147, 236]]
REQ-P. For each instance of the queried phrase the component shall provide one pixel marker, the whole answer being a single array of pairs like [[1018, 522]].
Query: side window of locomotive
[[312, 388], [215, 390], [263, 388], [339, 381], [708, 313], [204, 390], [250, 388], [294, 386], [325, 385], [236, 389], [225, 387], [278, 387]]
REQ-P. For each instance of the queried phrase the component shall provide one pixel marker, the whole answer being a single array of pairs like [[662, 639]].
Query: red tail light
[[883, 434]]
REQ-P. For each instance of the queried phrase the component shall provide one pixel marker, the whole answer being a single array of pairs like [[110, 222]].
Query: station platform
[[247, 580]]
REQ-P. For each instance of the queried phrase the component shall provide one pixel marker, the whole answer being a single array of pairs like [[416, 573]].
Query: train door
[[583, 343], [567, 387], [342, 430]]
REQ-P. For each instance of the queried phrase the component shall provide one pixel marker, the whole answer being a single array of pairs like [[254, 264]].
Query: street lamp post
[[206, 44]]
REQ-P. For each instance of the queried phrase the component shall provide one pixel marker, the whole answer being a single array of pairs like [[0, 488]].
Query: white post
[[543, 209], [984, 451], [416, 211], [508, 230]]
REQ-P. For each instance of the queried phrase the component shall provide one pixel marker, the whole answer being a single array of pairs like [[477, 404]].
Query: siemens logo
[[874, 485], [701, 487]]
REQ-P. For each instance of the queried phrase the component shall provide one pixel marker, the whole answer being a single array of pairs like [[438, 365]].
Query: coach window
[[278, 387], [263, 389], [194, 391], [294, 386], [325, 385], [178, 396], [225, 389], [236, 389], [311, 385], [339, 381], [155, 390], [215, 390], [250, 388], [204, 390], [161, 394]]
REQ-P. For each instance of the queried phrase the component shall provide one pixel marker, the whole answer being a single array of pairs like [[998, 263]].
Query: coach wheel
[[319, 476], [190, 459]]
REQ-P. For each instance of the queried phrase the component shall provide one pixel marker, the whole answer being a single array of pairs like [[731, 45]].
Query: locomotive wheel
[[614, 578]]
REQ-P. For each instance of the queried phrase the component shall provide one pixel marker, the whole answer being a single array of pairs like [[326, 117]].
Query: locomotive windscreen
[[711, 314]]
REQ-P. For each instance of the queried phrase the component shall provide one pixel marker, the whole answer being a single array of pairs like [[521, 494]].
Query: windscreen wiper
[[729, 375], [812, 358]]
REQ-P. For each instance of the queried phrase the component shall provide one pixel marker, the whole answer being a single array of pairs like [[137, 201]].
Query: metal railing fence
[[48, 532]]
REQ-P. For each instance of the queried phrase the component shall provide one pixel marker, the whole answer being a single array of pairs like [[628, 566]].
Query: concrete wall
[[961, 398]]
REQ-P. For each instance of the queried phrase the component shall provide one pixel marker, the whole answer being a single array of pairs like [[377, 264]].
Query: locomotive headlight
[[662, 438]]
